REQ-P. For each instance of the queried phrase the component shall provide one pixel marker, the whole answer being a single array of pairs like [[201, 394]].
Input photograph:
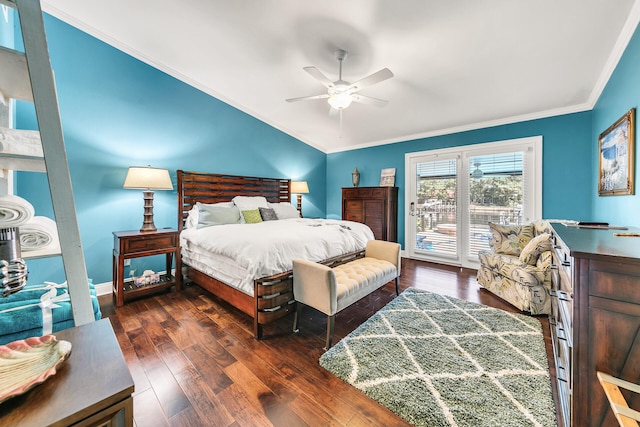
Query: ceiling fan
[[340, 94]]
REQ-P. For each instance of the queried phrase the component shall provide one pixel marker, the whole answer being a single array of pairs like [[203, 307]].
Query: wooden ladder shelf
[[28, 76]]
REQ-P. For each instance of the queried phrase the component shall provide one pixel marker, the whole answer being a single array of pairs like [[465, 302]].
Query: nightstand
[[135, 244]]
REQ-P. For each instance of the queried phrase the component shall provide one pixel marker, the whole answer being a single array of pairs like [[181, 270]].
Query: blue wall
[[567, 174], [117, 112], [6, 27], [621, 93]]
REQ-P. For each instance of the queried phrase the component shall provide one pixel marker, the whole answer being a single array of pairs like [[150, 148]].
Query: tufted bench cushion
[[330, 290], [358, 278]]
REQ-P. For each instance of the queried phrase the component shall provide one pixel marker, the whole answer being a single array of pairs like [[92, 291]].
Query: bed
[[225, 259]]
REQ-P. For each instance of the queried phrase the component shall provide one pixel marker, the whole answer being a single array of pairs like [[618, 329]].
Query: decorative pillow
[[252, 216], [541, 226], [268, 214], [194, 213], [509, 239], [217, 215], [285, 210], [536, 246], [248, 203]]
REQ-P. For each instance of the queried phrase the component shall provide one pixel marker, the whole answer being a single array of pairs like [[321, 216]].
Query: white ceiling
[[458, 64]]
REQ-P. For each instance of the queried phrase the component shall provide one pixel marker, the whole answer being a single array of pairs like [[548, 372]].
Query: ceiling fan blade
[[363, 99], [374, 78], [307, 98], [317, 74]]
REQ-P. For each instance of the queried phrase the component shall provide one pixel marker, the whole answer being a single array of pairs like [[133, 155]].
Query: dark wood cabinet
[[375, 206], [595, 320]]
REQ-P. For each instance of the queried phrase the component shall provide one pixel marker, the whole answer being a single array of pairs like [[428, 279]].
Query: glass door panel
[[495, 195], [436, 209]]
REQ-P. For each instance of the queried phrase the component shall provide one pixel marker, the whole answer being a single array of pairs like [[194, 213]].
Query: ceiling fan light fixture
[[340, 101]]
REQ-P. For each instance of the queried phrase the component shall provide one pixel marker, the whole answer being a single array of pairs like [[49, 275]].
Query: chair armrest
[[544, 260], [315, 285], [386, 251]]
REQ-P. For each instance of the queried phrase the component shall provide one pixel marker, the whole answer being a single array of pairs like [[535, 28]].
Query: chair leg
[[296, 316], [397, 287], [330, 325]]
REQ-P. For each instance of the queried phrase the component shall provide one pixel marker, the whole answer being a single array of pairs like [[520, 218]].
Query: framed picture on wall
[[615, 150]]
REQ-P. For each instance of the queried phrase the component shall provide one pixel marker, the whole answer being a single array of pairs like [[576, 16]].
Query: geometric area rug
[[435, 360]]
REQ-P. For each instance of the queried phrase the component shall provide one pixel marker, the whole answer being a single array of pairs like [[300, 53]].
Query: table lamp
[[148, 179], [299, 188]]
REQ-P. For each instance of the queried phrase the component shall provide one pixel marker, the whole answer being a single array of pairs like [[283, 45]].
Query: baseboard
[[103, 288]]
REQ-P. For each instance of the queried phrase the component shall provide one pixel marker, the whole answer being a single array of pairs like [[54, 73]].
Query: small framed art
[[388, 177], [615, 150]]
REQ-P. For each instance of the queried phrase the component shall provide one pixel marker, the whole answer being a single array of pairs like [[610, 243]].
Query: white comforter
[[267, 248]]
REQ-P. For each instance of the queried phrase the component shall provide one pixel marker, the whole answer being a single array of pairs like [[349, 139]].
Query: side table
[[134, 244], [92, 387]]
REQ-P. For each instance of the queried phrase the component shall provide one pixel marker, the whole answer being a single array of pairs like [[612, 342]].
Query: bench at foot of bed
[[332, 289]]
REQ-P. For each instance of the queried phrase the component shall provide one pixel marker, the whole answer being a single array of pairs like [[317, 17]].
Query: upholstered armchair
[[517, 267]]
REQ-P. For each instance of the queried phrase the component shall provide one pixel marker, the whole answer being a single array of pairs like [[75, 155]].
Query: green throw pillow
[[510, 239], [252, 216]]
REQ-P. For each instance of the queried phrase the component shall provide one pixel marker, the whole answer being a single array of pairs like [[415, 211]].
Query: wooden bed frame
[[273, 295]]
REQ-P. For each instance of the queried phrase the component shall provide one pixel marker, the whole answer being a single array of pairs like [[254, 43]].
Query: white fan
[[340, 94]]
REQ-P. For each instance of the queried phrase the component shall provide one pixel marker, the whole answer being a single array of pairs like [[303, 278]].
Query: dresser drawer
[[565, 314], [378, 192], [359, 193], [615, 281], [563, 260], [353, 205], [355, 216]]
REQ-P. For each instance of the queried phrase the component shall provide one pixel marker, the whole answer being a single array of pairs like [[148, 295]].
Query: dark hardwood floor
[[195, 363]]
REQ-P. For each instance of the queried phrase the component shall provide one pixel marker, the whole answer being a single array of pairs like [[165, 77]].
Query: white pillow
[[194, 213], [192, 218], [247, 203], [285, 210]]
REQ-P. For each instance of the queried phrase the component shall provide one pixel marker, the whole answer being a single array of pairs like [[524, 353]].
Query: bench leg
[[397, 287], [330, 325], [296, 316]]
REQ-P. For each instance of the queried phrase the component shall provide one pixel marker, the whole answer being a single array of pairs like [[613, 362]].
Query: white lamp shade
[[142, 177], [299, 187]]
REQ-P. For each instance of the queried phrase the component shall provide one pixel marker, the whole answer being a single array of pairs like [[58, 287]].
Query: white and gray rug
[[439, 361]]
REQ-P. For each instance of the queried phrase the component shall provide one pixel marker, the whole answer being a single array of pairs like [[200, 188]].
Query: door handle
[[412, 209]]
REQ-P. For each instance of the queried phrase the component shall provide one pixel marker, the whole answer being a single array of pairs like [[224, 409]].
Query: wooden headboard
[[204, 187]]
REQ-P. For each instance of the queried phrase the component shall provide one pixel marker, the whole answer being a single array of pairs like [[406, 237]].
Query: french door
[[453, 193]]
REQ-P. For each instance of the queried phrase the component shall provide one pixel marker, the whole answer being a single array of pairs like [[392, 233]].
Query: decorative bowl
[[27, 363]]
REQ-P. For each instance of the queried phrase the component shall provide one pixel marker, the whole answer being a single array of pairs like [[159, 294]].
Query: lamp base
[[300, 204], [147, 225]]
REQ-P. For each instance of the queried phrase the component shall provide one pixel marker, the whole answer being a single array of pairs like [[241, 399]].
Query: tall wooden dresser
[[595, 320], [375, 206]]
